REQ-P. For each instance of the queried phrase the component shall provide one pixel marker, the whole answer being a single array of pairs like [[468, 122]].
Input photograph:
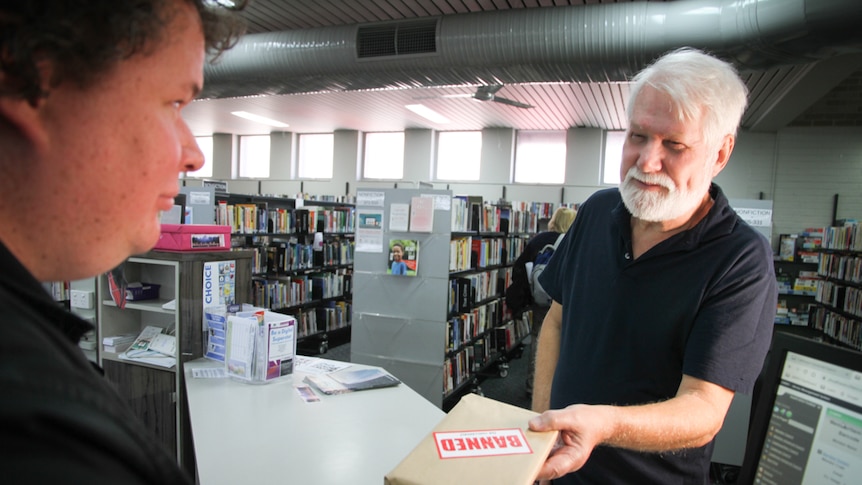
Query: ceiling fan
[[489, 93]]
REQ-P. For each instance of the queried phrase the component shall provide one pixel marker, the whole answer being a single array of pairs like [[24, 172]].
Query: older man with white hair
[[663, 297]]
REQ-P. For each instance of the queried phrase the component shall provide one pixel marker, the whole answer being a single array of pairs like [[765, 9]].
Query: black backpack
[[540, 296]]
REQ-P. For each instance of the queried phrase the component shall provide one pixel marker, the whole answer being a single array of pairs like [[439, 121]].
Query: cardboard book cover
[[479, 441]]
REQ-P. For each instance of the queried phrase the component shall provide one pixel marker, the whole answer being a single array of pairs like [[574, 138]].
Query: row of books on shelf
[[300, 289], [333, 315], [337, 220], [460, 254], [460, 212], [812, 257], [469, 252], [335, 199], [488, 217], [472, 214], [845, 298], [520, 222], [284, 257], [839, 327], [461, 366], [466, 291], [804, 283], [488, 252], [336, 252], [543, 209], [841, 266], [806, 246], [786, 315], [465, 327], [515, 246], [248, 218], [846, 236], [509, 334], [801, 247], [59, 290]]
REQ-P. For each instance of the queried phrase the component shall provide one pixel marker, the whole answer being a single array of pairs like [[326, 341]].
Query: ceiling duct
[[594, 43], [397, 39]]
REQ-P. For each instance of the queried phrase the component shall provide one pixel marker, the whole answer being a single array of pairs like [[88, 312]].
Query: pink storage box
[[194, 237]]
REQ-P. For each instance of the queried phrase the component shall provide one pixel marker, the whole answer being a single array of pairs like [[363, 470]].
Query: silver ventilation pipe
[[561, 44]]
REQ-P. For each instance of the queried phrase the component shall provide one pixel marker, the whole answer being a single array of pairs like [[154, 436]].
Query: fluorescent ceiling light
[[259, 119], [427, 113], [221, 3]]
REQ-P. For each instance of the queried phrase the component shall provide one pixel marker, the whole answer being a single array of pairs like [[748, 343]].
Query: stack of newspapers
[[117, 343], [153, 347]]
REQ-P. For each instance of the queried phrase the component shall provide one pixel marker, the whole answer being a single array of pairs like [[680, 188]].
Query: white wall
[[814, 165], [800, 169], [750, 171]]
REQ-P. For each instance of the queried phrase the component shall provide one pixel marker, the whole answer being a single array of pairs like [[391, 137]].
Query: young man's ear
[[21, 114]]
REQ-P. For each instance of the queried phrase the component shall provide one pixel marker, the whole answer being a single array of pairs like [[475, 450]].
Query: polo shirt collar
[[719, 221]]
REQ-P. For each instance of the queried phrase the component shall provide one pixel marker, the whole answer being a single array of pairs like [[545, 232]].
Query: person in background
[[518, 295], [91, 93], [399, 267], [664, 299]]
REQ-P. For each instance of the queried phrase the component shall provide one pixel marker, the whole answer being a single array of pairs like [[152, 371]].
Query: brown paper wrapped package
[[423, 466]]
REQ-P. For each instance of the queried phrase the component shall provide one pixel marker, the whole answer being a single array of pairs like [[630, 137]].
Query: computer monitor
[[806, 428]]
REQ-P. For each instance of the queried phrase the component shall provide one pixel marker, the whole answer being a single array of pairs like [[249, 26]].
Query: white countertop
[[246, 433]]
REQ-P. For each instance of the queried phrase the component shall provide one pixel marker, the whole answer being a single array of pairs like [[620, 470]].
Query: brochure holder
[[260, 346]]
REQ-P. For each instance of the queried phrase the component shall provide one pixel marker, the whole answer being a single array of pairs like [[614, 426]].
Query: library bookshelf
[[302, 263]]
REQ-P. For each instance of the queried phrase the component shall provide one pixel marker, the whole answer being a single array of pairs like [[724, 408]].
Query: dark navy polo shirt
[[700, 303]]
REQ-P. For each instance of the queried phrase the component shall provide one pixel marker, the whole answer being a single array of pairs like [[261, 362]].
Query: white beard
[[654, 206]]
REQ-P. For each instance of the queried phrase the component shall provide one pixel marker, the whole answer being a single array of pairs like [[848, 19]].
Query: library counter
[[245, 433]]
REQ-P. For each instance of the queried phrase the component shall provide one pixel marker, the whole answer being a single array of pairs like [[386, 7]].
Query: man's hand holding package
[[581, 430]]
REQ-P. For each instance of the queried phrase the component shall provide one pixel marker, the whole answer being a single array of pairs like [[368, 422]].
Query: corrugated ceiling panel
[[767, 88], [556, 106]]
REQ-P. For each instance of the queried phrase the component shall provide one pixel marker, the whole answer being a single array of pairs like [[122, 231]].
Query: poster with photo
[[403, 257], [369, 231]]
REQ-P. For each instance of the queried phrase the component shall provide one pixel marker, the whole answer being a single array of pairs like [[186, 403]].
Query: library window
[[384, 156], [254, 156], [205, 143], [613, 157], [315, 156], [540, 157], [459, 154]]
